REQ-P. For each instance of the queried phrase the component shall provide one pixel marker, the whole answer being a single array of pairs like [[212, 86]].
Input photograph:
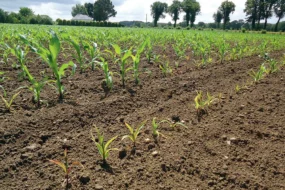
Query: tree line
[[101, 10], [83, 23], [256, 11], [25, 16]]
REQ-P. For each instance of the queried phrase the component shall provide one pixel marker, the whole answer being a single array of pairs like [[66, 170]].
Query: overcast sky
[[126, 9]]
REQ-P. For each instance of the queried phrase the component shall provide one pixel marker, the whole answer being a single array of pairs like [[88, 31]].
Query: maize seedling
[[8, 103], [133, 132], [102, 147], [66, 167]]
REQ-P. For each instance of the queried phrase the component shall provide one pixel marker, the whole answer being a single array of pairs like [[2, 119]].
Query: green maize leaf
[[100, 149], [107, 151], [14, 97], [138, 131], [31, 78], [117, 49], [109, 142], [128, 136], [130, 128], [64, 67], [127, 55], [76, 46], [142, 46], [54, 46]]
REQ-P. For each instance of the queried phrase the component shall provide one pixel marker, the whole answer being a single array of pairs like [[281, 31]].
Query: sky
[[126, 9]]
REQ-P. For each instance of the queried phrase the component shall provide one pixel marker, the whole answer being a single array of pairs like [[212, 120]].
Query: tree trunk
[[155, 23], [187, 19], [258, 24], [175, 23], [276, 26], [254, 17], [265, 24], [192, 24]]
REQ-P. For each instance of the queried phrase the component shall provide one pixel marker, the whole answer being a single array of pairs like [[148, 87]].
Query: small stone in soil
[[147, 140], [98, 187], [110, 181], [155, 153]]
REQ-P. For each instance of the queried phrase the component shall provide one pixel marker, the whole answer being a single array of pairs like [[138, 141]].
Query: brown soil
[[238, 145]]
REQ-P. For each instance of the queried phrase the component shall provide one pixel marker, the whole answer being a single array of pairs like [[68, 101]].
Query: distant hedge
[[83, 23]]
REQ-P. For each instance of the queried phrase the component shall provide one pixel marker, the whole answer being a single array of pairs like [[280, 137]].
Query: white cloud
[[54, 10], [126, 9]]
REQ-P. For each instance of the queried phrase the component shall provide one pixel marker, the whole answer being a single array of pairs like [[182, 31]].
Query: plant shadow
[[107, 167]]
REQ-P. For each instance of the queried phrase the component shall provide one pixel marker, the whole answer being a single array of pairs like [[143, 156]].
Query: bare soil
[[239, 144]]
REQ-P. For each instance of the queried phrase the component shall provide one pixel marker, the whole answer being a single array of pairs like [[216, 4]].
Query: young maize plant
[[107, 84], [233, 53], [237, 88], [156, 58], [273, 66], [241, 52], [155, 132], [136, 61], [263, 48], [123, 57], [2, 78], [78, 55], [223, 47], [179, 50], [201, 103], [165, 68], [36, 86], [8, 103], [4, 91], [21, 57], [149, 51], [50, 56], [133, 133], [205, 53], [102, 147], [93, 53], [258, 75], [5, 58], [66, 167]]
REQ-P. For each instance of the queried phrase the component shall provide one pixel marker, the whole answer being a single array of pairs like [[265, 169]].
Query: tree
[[260, 13], [13, 18], [268, 5], [251, 10], [192, 9], [226, 8], [201, 24], [103, 10], [90, 9], [174, 10], [45, 19], [157, 10], [26, 12], [3, 16], [279, 10], [78, 9], [218, 16]]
